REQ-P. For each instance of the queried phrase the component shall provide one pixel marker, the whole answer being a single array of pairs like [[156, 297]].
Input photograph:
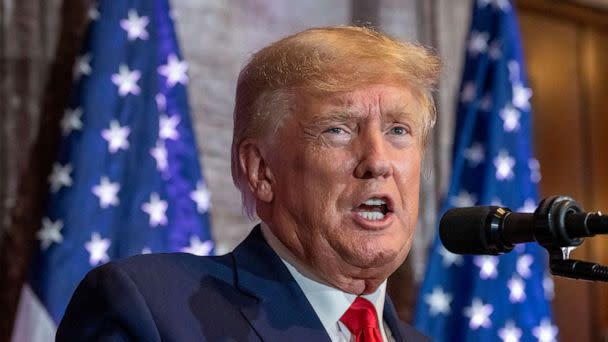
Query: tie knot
[[360, 315]]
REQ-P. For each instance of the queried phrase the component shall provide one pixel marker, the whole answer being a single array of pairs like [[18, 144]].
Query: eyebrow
[[402, 115], [339, 114]]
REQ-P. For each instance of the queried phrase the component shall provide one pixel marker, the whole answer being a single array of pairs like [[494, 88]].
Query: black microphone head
[[472, 230]]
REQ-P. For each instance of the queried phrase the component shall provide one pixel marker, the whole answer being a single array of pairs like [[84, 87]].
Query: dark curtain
[[34, 90]]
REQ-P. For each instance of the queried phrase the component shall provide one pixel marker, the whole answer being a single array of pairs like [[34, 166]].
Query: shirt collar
[[328, 302]]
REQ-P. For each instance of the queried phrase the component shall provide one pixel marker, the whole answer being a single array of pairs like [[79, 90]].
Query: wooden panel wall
[[566, 49], [594, 57]]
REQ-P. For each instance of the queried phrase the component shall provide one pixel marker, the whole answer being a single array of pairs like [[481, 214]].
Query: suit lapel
[[392, 320], [280, 310]]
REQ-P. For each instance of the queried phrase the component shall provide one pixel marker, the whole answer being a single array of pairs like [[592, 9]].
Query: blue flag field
[[490, 298], [127, 179]]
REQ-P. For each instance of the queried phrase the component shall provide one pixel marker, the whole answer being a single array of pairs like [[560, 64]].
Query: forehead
[[384, 99]]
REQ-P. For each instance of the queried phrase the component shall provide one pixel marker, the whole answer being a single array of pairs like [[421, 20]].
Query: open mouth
[[374, 209]]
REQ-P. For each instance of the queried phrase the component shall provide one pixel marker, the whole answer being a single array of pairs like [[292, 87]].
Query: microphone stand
[[550, 232]]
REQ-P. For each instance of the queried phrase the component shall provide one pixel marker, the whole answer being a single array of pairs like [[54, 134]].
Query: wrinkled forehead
[[388, 100]]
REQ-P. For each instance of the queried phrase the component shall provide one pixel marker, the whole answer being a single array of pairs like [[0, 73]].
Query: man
[[330, 126]]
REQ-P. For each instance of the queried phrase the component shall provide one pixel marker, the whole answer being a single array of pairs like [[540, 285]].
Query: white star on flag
[[198, 247], [517, 290], [116, 136], [478, 42], [502, 5], [450, 258], [519, 248], [71, 120], [159, 153], [156, 208], [98, 249], [107, 192], [534, 166], [548, 287], [126, 80], [545, 332], [202, 197], [510, 332], [495, 51], [168, 127], [93, 13], [510, 117], [468, 92], [82, 66], [135, 26], [523, 265], [513, 67], [504, 164], [60, 176], [487, 266], [479, 314], [438, 301], [50, 232], [521, 96], [161, 102], [174, 71], [463, 199], [496, 202], [475, 154], [528, 207]]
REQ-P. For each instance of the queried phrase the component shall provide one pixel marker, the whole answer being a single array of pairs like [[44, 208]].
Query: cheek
[[409, 165], [316, 178], [327, 168], [408, 173], [328, 176]]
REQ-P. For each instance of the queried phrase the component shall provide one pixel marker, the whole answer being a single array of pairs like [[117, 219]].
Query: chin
[[373, 257]]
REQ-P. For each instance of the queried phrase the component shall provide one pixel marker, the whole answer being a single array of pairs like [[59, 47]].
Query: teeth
[[371, 215], [375, 201]]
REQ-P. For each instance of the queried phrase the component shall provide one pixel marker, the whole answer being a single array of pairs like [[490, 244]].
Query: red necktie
[[362, 321]]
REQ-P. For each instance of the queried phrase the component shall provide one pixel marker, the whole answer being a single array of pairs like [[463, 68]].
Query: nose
[[374, 161]]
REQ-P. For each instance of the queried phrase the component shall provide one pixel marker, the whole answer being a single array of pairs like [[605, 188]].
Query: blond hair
[[323, 61]]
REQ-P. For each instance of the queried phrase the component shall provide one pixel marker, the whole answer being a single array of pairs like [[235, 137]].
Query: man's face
[[346, 175]]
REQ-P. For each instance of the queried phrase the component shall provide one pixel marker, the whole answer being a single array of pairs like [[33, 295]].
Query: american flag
[[127, 179], [491, 298]]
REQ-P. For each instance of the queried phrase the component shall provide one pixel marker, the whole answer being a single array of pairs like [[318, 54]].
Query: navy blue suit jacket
[[246, 295]]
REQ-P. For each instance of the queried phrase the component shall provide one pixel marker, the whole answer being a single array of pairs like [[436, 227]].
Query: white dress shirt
[[328, 302]]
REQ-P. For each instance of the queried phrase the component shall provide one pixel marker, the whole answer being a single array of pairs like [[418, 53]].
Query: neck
[[357, 286]]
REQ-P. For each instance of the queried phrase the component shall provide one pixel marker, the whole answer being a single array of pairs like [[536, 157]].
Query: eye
[[399, 130], [336, 130], [338, 134]]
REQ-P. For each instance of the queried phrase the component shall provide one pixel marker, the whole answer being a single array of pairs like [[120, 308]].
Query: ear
[[256, 168]]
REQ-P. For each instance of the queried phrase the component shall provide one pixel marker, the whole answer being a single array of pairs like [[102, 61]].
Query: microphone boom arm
[[550, 220]]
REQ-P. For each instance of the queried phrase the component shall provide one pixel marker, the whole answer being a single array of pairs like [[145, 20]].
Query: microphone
[[557, 222]]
